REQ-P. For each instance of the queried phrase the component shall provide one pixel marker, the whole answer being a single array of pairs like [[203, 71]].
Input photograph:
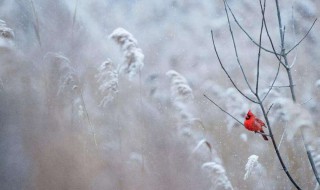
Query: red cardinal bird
[[254, 124]]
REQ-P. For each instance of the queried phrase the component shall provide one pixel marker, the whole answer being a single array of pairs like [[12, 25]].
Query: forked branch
[[258, 100], [226, 72]]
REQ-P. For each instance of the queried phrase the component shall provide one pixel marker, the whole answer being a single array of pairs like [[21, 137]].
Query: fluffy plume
[[7, 36], [68, 76], [200, 143], [108, 78], [180, 89], [69, 84], [251, 166], [218, 175], [5, 31], [181, 94], [132, 55], [62, 72]]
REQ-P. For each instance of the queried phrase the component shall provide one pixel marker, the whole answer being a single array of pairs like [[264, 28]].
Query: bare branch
[[74, 16], [259, 52], [217, 54], [235, 48], [293, 96], [313, 166], [275, 145], [36, 23], [283, 86], [247, 34], [272, 85], [269, 109], [295, 38], [281, 139], [303, 37], [269, 36], [279, 22], [223, 110], [293, 61], [310, 157], [306, 101]]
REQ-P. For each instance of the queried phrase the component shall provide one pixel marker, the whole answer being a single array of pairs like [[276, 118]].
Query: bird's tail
[[263, 135]]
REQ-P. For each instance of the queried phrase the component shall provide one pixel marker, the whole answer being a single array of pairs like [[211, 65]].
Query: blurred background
[[78, 110]]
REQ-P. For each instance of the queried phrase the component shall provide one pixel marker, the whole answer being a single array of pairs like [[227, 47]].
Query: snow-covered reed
[[133, 58], [108, 78]]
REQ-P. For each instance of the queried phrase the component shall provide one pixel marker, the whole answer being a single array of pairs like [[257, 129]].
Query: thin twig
[[269, 109], [235, 48], [283, 86], [36, 24], [279, 22], [247, 34], [259, 52], [272, 84], [293, 61], [74, 16], [303, 37], [230, 114], [291, 88], [306, 101], [288, 69], [275, 144], [223, 110], [281, 139], [88, 118], [217, 54], [278, 56], [310, 157], [295, 38]]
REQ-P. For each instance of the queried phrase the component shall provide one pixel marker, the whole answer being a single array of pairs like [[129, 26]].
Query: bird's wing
[[261, 123]]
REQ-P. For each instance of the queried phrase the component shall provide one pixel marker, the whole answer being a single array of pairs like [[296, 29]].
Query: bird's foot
[[262, 133]]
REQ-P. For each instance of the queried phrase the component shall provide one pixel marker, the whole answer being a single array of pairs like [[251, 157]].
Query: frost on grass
[[68, 80], [7, 35], [68, 76], [252, 167], [200, 143], [62, 72], [218, 175], [181, 95], [132, 55], [69, 85], [180, 89], [108, 79]]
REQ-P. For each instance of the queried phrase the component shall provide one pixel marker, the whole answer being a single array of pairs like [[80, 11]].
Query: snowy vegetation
[[109, 95]]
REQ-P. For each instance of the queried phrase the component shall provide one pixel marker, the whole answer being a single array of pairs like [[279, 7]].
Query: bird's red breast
[[252, 123]]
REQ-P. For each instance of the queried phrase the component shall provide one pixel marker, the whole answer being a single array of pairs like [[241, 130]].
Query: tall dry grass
[[70, 122]]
